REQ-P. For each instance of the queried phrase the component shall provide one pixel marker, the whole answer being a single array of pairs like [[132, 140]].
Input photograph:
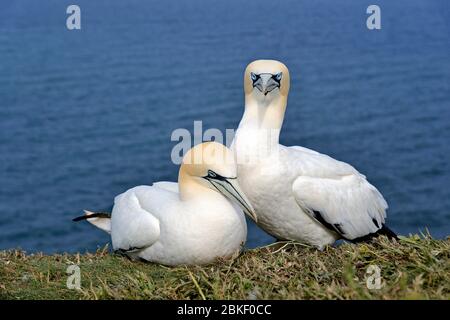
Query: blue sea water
[[87, 114]]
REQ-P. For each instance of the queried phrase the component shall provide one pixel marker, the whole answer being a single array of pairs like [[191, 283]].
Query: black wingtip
[[384, 231], [79, 218], [387, 232], [92, 215]]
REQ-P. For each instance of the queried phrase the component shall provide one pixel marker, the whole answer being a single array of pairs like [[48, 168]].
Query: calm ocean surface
[[85, 115]]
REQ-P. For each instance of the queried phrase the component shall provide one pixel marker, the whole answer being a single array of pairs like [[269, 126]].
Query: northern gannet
[[192, 222], [298, 194]]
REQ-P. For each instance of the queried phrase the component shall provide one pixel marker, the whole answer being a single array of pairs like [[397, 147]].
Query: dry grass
[[413, 268]]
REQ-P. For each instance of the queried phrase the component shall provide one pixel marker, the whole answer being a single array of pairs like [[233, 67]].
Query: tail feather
[[385, 231], [101, 220]]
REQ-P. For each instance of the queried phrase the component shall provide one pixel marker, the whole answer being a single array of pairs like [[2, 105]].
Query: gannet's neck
[[259, 129], [263, 114], [190, 188]]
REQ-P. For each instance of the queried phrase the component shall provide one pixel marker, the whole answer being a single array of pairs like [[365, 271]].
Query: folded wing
[[133, 227], [348, 205]]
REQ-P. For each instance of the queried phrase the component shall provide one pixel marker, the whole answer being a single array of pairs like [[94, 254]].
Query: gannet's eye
[[211, 174], [278, 76], [253, 76], [214, 176]]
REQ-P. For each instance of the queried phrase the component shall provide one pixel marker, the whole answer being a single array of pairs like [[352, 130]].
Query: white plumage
[[297, 193], [192, 222]]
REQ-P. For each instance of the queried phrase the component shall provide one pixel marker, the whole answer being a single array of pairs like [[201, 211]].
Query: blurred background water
[[85, 115]]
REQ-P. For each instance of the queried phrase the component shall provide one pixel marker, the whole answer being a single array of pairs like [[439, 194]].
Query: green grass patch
[[413, 268]]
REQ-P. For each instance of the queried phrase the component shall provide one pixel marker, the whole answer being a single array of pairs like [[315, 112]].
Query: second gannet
[[298, 194], [194, 222]]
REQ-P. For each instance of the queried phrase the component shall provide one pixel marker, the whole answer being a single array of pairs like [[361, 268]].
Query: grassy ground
[[413, 268]]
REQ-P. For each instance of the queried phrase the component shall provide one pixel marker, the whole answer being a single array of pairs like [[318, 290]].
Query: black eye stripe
[[275, 77], [255, 77], [216, 176], [212, 174]]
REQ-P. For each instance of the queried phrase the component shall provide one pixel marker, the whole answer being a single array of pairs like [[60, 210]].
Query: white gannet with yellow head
[[194, 222], [298, 194]]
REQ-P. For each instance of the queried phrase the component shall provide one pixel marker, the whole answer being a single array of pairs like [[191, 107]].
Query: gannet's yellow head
[[213, 165], [266, 80], [211, 156]]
